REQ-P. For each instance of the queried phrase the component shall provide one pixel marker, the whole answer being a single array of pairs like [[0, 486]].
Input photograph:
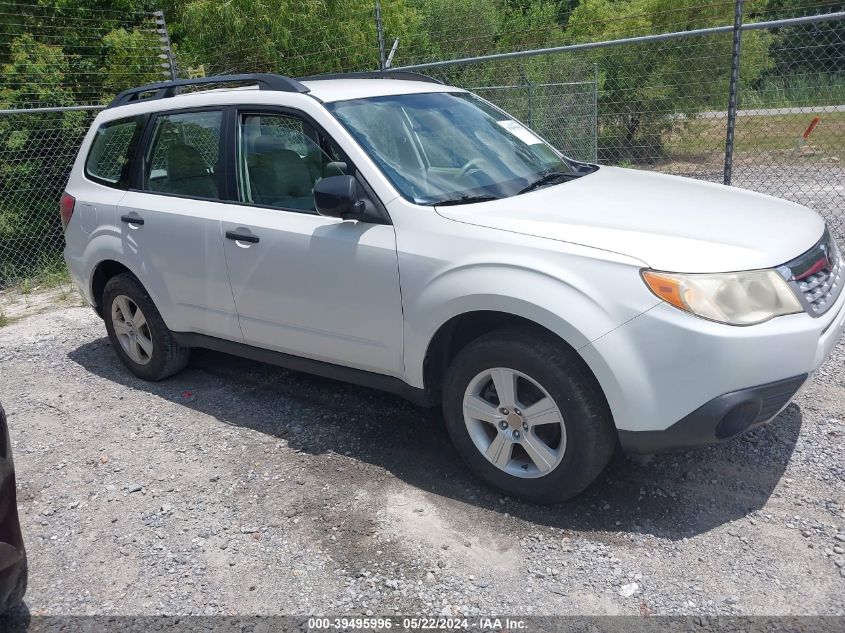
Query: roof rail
[[165, 89], [375, 74]]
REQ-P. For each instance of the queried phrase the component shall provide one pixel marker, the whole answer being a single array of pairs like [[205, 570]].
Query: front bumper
[[722, 418], [13, 564], [667, 371]]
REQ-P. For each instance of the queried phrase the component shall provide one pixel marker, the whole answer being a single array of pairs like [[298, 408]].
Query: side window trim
[[138, 169]]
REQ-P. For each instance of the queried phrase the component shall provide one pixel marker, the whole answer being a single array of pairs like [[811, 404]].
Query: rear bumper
[[720, 419]]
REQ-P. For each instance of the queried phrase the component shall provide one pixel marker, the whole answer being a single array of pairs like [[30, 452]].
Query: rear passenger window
[[112, 150], [183, 155]]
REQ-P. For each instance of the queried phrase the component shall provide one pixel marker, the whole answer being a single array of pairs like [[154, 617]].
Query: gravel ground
[[239, 488]]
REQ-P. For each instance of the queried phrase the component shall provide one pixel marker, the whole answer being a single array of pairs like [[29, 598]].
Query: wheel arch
[[461, 329], [104, 271]]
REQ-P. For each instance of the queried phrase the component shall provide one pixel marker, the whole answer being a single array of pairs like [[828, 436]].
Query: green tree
[[130, 59], [293, 37]]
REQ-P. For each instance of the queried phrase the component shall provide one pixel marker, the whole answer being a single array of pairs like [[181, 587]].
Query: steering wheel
[[476, 164]]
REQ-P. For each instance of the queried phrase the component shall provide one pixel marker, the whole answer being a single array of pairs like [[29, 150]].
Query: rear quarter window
[[112, 150]]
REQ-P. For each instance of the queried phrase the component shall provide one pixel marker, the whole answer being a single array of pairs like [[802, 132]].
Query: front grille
[[816, 277]]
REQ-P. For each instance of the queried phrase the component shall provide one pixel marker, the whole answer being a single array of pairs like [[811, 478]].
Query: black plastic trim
[[242, 237], [309, 366], [407, 75], [699, 428], [166, 89]]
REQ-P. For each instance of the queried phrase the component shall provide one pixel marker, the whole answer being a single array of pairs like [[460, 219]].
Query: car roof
[[328, 90], [325, 90]]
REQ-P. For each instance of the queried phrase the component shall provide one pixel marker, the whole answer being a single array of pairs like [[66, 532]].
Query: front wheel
[[527, 416]]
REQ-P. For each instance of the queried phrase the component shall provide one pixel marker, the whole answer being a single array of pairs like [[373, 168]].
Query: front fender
[[567, 304]]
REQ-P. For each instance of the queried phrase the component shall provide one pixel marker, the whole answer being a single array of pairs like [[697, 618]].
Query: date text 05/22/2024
[[417, 624]]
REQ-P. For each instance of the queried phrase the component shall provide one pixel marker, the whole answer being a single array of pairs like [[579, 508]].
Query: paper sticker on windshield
[[521, 132]]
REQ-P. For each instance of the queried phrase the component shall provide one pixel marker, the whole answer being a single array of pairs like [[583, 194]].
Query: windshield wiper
[[465, 200], [547, 179]]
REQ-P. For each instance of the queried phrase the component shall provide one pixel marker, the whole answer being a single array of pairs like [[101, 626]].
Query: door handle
[[241, 237], [132, 219]]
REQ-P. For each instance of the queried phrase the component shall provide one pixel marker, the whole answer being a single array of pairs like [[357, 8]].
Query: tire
[[154, 353], [553, 456]]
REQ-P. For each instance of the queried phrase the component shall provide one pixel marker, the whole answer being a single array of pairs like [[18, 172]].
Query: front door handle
[[241, 237], [132, 219]]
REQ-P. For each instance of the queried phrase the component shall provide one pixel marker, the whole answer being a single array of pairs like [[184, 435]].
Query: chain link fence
[[662, 103], [601, 82], [59, 64], [564, 114], [37, 151]]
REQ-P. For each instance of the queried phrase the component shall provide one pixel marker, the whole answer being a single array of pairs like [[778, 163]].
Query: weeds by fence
[[603, 82]]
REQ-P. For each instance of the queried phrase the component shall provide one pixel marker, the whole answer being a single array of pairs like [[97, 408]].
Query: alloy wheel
[[132, 330], [514, 422]]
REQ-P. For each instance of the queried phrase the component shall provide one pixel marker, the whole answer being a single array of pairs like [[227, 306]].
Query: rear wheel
[[527, 416], [137, 331]]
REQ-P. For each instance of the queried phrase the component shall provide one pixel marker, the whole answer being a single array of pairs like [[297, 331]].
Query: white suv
[[391, 231]]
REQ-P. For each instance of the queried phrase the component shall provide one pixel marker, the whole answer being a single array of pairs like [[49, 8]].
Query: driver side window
[[280, 157]]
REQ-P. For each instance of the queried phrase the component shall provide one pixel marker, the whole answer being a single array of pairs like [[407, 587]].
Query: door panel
[[171, 229], [305, 284], [179, 254], [317, 287]]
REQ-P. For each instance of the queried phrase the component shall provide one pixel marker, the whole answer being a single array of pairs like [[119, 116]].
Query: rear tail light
[[66, 205]]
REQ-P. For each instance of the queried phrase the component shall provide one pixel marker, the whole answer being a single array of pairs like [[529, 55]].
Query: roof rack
[[375, 74], [165, 89]]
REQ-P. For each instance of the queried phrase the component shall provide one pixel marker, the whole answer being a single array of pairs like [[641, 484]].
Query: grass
[[797, 90], [776, 134], [806, 89], [50, 272]]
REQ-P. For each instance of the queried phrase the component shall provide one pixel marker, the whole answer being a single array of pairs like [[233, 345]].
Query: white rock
[[626, 591]]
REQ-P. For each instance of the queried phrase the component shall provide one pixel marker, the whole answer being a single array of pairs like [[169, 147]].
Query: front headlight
[[743, 298]]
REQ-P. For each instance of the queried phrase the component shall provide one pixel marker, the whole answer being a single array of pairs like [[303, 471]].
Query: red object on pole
[[811, 127]]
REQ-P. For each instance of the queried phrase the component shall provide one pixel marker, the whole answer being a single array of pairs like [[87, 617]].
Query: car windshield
[[452, 148]]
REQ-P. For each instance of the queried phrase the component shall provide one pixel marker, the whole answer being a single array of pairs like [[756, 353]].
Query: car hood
[[667, 222]]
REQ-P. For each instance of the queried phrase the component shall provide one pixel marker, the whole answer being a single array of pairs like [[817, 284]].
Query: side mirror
[[337, 197]]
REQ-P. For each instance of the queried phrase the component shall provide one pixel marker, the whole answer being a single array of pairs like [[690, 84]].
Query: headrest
[[184, 161], [266, 143]]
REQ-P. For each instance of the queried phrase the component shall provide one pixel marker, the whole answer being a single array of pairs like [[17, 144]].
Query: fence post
[[530, 104], [595, 113], [382, 62], [166, 51], [732, 92]]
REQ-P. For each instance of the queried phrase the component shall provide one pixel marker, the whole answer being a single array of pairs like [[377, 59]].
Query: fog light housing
[[738, 419]]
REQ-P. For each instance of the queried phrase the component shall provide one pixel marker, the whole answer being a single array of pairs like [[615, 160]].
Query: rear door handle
[[132, 219], [241, 237]]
